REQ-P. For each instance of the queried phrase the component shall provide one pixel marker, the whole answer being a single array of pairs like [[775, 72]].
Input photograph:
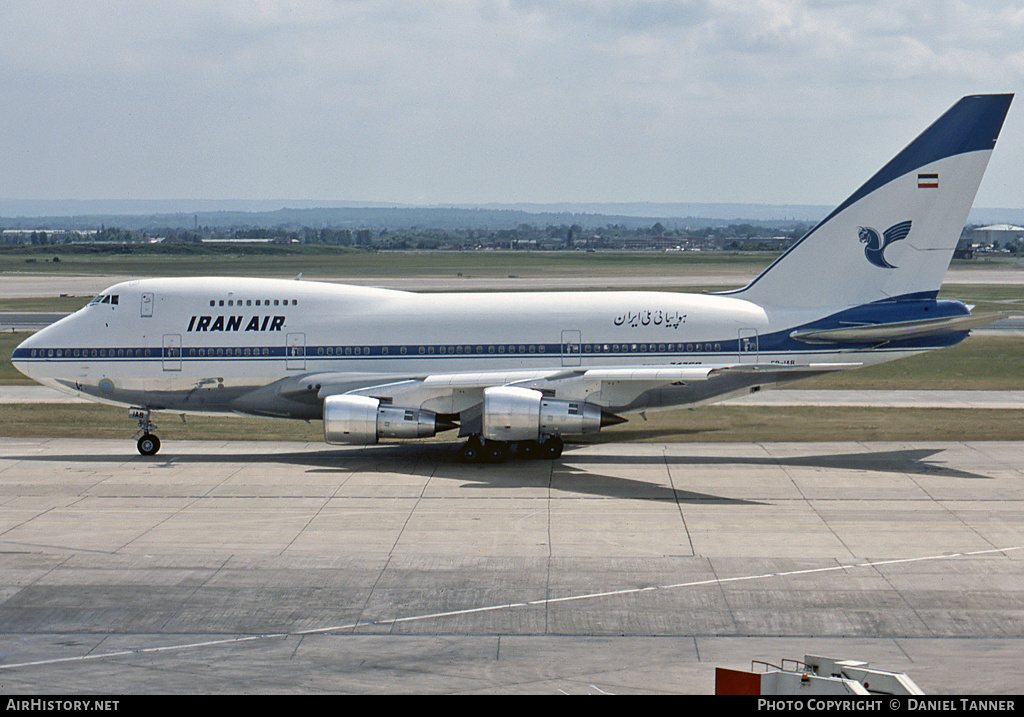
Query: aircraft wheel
[[497, 451], [552, 447], [472, 450], [529, 449], [149, 444]]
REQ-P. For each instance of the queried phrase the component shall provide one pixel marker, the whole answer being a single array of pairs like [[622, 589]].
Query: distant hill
[[158, 214]]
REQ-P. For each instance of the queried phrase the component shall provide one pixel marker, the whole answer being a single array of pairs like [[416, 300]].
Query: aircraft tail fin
[[895, 236]]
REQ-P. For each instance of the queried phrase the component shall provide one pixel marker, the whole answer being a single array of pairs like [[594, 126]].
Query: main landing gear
[[148, 444], [479, 450]]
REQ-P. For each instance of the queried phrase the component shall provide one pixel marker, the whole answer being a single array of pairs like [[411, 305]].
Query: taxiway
[[620, 568]]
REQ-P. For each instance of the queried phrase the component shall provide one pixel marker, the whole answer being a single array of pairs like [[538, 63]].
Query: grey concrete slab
[[225, 567]]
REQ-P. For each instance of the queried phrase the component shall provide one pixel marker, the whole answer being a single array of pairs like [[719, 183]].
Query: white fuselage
[[212, 344]]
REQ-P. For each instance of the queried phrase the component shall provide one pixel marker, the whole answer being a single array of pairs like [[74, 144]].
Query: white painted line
[[505, 606]]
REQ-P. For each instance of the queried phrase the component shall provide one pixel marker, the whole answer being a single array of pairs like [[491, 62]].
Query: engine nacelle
[[523, 414], [363, 420]]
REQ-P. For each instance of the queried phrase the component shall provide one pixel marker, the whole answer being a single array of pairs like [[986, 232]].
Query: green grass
[[987, 297], [314, 260], [991, 363], [325, 261]]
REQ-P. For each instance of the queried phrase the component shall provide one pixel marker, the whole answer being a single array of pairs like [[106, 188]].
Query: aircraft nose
[[31, 355], [23, 354]]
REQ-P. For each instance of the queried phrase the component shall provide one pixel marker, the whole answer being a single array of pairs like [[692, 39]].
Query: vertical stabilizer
[[895, 235]]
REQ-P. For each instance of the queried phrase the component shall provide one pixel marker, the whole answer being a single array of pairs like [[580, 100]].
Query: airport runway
[[620, 568]]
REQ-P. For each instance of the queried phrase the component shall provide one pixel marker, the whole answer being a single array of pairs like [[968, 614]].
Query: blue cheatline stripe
[[362, 351]]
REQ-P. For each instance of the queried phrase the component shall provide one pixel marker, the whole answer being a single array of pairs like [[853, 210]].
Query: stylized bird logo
[[876, 246]]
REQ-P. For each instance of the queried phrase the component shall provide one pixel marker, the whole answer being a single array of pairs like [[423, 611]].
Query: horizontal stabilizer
[[873, 333]]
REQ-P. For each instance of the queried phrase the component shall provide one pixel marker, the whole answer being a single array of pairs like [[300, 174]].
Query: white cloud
[[496, 100]]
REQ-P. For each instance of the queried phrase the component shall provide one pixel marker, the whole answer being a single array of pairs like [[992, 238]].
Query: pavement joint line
[[491, 608]]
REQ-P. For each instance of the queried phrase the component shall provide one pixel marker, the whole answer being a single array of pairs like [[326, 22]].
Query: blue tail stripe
[[971, 125]]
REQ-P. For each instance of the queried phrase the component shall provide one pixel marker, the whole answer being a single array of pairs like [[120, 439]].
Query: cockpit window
[[106, 299]]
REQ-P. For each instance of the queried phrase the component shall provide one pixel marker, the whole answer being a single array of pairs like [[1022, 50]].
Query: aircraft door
[[295, 352], [172, 352], [572, 345], [147, 305], [748, 345]]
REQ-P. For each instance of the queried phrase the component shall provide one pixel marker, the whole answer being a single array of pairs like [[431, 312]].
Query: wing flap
[[614, 385]]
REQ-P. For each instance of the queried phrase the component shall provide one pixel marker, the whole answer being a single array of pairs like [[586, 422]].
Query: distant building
[[1002, 235]]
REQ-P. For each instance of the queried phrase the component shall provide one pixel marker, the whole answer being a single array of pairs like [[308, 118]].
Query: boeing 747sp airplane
[[518, 371]]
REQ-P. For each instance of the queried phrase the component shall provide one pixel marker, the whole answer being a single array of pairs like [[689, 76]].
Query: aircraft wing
[[450, 393]]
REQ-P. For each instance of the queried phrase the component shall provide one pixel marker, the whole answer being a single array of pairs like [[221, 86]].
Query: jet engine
[[524, 414], [363, 420]]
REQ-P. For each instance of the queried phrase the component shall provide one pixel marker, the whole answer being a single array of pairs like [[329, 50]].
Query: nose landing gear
[[148, 443]]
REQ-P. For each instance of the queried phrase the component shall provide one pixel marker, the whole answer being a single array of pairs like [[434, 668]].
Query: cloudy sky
[[477, 101]]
